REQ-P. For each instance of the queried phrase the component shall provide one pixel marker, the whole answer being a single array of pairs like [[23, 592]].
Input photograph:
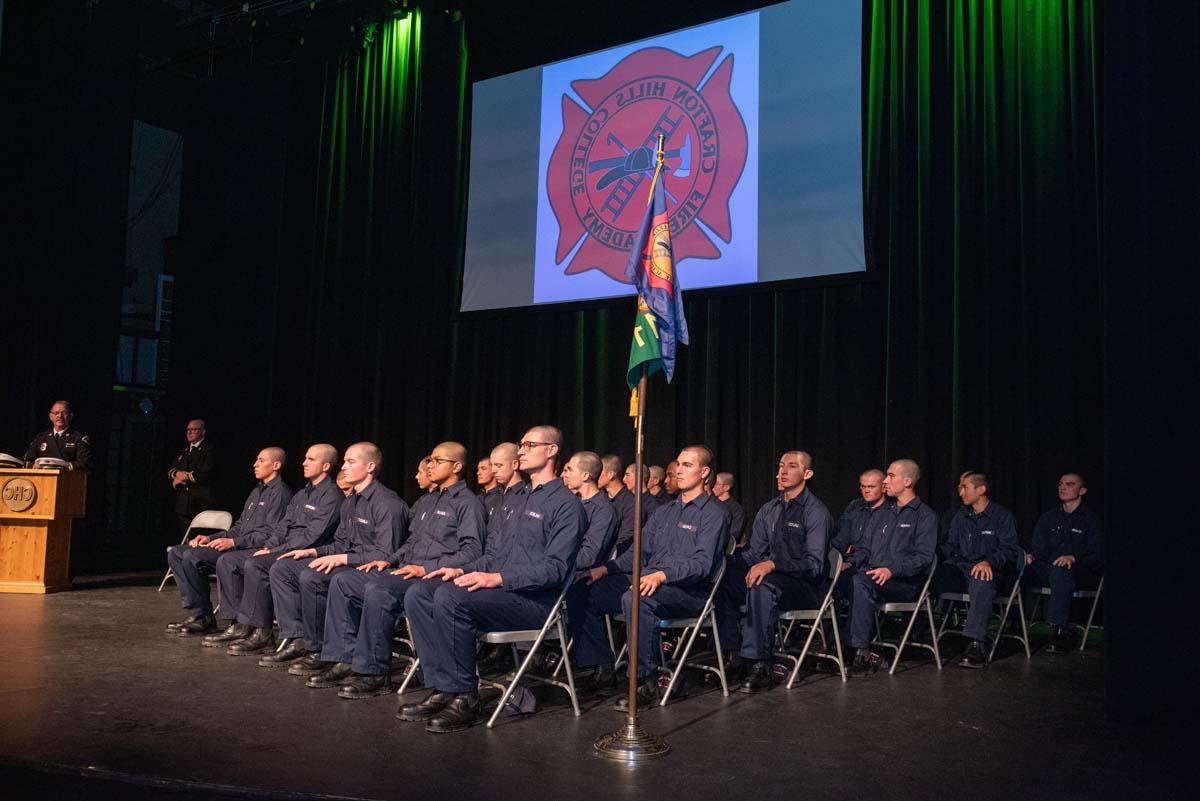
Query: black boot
[[647, 695], [235, 631], [761, 677], [202, 624], [284, 657], [461, 713], [364, 686], [866, 662], [1060, 641], [974, 657], [260, 640], [416, 713], [333, 676], [602, 679], [309, 665]]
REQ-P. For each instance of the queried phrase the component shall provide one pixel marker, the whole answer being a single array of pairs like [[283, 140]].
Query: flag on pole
[[660, 323]]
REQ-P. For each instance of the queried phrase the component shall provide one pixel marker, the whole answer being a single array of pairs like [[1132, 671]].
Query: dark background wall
[[1031, 174]]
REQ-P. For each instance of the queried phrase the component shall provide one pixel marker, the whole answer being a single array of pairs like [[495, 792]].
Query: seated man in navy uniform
[[892, 560], [512, 586], [373, 522], [364, 606], [980, 545], [61, 441], [654, 485], [193, 562], [485, 477], [681, 548], [622, 499], [244, 583], [783, 567], [723, 489], [1067, 554]]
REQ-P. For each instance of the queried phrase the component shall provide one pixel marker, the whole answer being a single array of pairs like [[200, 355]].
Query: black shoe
[[236, 631], [647, 695], [974, 657], [461, 713], [493, 659], [602, 679], [260, 640], [173, 626], [762, 677], [866, 662], [435, 702], [1061, 641], [679, 691], [283, 658], [202, 624], [363, 686], [333, 676], [309, 665]]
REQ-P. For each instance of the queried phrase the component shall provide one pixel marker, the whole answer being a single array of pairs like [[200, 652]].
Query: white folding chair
[[537, 637], [914, 608], [414, 661], [1039, 592], [815, 617], [1006, 601], [209, 520]]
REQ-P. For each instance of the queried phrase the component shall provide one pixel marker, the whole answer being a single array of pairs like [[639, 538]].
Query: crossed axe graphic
[[640, 160]]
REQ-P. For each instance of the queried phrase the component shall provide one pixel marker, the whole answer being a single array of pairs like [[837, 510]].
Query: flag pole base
[[631, 743]]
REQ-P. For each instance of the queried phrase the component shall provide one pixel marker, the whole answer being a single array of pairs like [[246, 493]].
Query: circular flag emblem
[[599, 174]]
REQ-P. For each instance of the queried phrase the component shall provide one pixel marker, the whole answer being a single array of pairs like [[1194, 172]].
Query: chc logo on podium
[[19, 494]]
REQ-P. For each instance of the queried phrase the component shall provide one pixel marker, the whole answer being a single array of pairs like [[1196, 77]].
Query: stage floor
[[96, 700]]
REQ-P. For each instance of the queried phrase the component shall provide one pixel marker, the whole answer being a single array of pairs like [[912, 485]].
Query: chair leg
[[1003, 622], [837, 641], [712, 616], [167, 576], [941, 630], [412, 671], [908, 630], [681, 660], [1024, 628], [937, 654], [1091, 615], [565, 644], [612, 642], [512, 685], [812, 632], [570, 644], [620, 655]]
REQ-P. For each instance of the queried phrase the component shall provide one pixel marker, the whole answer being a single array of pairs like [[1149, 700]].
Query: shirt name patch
[[687, 526], [1077, 530], [906, 525], [441, 513], [987, 531], [534, 515], [310, 507], [793, 525], [363, 520]]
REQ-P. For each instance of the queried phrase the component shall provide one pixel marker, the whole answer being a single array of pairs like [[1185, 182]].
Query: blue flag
[[660, 323]]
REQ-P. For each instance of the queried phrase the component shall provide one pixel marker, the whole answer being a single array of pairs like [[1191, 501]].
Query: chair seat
[[508, 637], [678, 623], [800, 614], [898, 606], [1041, 590], [956, 596]]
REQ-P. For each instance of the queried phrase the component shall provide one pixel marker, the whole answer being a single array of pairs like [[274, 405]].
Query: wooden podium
[[37, 508]]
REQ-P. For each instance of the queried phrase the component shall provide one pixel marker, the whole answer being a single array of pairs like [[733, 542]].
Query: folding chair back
[[708, 615], [209, 520], [824, 611], [912, 607], [537, 636], [1093, 594], [1006, 600]]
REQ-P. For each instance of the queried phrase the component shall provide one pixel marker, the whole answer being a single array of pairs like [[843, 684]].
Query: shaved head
[[548, 434], [276, 454], [874, 474], [453, 450], [909, 469], [804, 456], [505, 452]]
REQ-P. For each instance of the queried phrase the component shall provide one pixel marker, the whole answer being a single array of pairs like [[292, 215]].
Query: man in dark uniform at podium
[[61, 441], [191, 475]]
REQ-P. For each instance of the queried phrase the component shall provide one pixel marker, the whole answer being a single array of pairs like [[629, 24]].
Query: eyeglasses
[[438, 460], [530, 444]]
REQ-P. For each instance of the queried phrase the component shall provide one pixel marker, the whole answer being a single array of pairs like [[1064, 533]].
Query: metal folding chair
[[414, 661], [913, 607], [209, 520], [1014, 594], [814, 617], [1039, 592], [554, 620]]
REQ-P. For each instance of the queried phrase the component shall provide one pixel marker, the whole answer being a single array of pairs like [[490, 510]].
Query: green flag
[[644, 348]]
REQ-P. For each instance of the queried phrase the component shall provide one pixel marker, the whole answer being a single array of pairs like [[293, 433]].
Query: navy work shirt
[[1061, 533], [310, 519], [601, 534], [853, 523], [265, 507], [537, 538], [683, 540], [737, 517], [900, 538], [793, 534], [446, 530], [990, 535], [623, 504], [373, 525], [504, 507]]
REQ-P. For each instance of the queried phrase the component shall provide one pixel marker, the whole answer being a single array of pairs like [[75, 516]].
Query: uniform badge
[[42, 447], [600, 170]]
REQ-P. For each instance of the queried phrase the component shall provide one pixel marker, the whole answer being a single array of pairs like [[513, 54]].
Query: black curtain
[[972, 344]]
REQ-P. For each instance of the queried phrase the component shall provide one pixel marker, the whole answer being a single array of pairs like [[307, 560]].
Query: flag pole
[[632, 743]]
